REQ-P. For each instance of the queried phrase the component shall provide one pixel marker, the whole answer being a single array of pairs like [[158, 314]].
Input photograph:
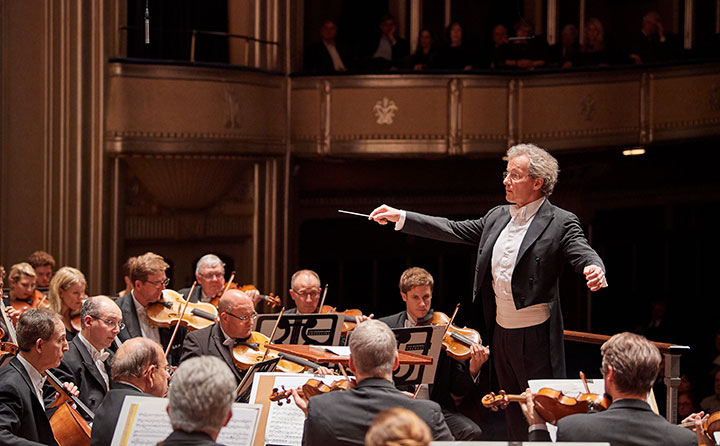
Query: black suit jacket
[[209, 341], [197, 292], [553, 239], [451, 376], [318, 59], [132, 329], [182, 438], [78, 367], [106, 415], [343, 418], [626, 422], [23, 421]]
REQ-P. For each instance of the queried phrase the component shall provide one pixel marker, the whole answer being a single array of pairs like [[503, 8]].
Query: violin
[[457, 341], [271, 299], [312, 388], [710, 426], [348, 317], [253, 350], [68, 426], [76, 323], [37, 300], [167, 312], [552, 404]]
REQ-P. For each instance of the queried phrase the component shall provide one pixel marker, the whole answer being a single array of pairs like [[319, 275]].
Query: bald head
[[141, 362], [236, 314], [101, 321]]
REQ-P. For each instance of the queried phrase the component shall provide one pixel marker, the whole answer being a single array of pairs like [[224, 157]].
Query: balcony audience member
[[526, 51], [500, 47], [594, 51], [456, 53], [651, 43], [66, 295], [343, 418], [43, 264], [326, 56], [200, 402], [426, 53], [138, 369], [387, 50], [685, 405], [564, 54], [397, 426], [711, 403]]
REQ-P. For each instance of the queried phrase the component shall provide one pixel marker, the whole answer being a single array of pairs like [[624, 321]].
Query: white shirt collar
[[96, 354], [525, 213], [36, 377]]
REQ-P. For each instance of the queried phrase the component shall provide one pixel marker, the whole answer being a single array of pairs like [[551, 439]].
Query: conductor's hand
[[384, 214], [528, 409], [595, 277], [300, 400]]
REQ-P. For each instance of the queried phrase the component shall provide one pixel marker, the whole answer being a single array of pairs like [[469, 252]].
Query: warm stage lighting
[[634, 151]]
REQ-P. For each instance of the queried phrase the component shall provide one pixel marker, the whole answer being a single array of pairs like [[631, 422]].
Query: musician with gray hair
[[343, 417], [522, 250], [210, 277], [201, 397]]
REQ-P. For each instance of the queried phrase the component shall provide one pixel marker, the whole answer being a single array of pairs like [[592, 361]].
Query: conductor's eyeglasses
[[514, 176]]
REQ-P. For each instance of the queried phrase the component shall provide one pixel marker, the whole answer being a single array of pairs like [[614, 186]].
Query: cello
[[68, 426]]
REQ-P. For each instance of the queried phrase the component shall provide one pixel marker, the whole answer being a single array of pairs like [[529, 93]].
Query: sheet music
[[144, 421], [570, 387], [285, 424], [339, 350]]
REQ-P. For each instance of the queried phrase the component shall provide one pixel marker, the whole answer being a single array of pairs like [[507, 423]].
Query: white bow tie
[[102, 356]]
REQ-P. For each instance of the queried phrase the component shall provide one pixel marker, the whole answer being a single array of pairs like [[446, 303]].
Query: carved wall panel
[[484, 116], [306, 123]]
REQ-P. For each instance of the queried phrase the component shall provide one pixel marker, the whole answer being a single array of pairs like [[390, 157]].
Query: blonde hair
[[21, 269], [398, 427], [63, 279]]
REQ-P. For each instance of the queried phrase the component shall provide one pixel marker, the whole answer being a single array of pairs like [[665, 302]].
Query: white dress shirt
[[335, 56], [98, 359], [36, 378], [146, 328]]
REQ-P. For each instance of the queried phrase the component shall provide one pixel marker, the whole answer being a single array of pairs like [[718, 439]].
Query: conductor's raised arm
[[385, 214]]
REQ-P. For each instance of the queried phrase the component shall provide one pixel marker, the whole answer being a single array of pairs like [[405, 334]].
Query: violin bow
[[417, 390], [322, 301], [229, 283], [457, 307], [584, 381], [177, 325], [8, 323], [277, 322]]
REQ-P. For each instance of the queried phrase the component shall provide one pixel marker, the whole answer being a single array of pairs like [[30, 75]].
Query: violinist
[[237, 313], [210, 275], [341, 418], [42, 343], [87, 362], [147, 274], [21, 296], [6, 333], [66, 295], [453, 379], [138, 369], [43, 264], [305, 291], [630, 364], [204, 383]]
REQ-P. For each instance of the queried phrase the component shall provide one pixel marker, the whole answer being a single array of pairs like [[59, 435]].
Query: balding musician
[[138, 369]]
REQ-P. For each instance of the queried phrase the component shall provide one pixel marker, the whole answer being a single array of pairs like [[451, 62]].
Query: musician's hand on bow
[[362, 318], [528, 409], [595, 277], [479, 354], [300, 400], [322, 370], [699, 418], [385, 214]]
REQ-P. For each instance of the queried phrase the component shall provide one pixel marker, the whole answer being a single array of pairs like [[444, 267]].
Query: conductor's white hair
[[210, 260], [201, 393], [542, 165], [373, 347]]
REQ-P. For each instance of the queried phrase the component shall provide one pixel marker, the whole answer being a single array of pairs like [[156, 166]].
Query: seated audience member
[[389, 51], [711, 403], [455, 54], [424, 56], [87, 361], [500, 47], [565, 53], [210, 277], [526, 50], [594, 51], [237, 314], [651, 43], [397, 426], [139, 368], [343, 418], [630, 364], [126, 277], [43, 264], [305, 292], [453, 379], [149, 280], [327, 56], [42, 343], [201, 396], [66, 295], [685, 405]]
